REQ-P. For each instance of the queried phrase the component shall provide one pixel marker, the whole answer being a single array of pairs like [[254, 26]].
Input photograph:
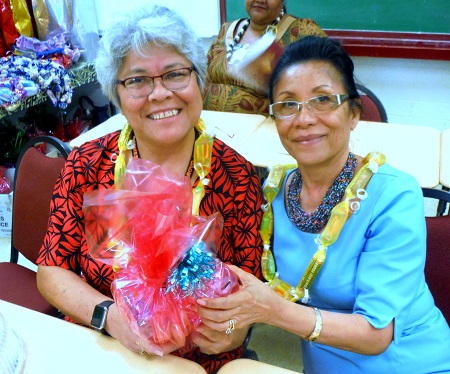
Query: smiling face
[[314, 139], [163, 119], [263, 12]]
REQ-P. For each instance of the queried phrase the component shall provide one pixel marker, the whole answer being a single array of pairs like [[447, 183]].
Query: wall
[[414, 92], [194, 12]]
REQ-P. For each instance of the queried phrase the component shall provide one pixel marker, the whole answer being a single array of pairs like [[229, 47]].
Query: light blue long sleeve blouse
[[376, 269]]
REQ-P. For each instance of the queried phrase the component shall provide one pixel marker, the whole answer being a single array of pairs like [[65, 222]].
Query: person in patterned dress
[[152, 66], [242, 57]]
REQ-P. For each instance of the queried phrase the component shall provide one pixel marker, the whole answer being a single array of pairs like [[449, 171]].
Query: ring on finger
[[231, 326], [142, 352]]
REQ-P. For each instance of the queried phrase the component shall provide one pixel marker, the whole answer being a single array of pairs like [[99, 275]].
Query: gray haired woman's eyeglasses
[[319, 104], [142, 86]]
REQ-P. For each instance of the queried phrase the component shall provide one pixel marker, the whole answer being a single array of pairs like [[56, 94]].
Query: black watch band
[[98, 319]]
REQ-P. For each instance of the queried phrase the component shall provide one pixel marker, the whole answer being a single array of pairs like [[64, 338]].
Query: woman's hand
[[56, 283], [211, 341], [254, 302], [119, 328]]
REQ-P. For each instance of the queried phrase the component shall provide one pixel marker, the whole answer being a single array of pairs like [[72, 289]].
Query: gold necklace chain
[[354, 194], [202, 160]]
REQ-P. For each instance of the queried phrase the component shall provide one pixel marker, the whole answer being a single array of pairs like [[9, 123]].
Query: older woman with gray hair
[[152, 66]]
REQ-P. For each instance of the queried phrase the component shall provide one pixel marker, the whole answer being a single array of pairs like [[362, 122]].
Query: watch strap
[[106, 303]]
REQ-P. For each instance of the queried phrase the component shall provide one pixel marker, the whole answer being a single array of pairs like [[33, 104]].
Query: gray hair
[[135, 32]]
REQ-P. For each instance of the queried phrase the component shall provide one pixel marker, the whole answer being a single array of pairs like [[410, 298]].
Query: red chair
[[372, 108], [437, 266], [34, 179]]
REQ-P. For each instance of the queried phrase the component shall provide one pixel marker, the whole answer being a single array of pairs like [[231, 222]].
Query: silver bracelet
[[318, 328]]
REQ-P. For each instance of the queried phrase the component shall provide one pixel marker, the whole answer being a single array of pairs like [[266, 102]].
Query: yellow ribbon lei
[[354, 194], [202, 160]]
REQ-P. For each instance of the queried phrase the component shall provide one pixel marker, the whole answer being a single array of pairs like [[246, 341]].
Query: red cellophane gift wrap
[[164, 257]]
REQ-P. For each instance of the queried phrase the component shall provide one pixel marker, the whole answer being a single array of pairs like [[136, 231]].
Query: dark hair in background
[[316, 48]]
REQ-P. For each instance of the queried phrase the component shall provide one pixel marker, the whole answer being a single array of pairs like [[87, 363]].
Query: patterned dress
[[234, 191], [248, 92]]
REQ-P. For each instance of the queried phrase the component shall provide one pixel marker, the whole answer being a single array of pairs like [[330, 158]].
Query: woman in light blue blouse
[[349, 236]]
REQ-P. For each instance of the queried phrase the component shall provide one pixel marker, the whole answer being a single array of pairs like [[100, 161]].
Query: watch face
[[99, 317]]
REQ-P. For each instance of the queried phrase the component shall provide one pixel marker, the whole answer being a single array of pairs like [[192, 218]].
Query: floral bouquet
[[164, 257]]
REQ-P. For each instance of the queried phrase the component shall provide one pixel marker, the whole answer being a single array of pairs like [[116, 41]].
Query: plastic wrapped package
[[164, 257], [12, 350], [22, 17], [5, 182], [8, 31], [70, 17]]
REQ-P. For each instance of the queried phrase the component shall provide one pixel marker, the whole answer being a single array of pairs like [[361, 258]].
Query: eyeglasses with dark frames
[[318, 104], [142, 86]]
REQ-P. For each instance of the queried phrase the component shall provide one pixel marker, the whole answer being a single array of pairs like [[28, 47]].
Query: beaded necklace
[[316, 221], [201, 160], [235, 43], [354, 194]]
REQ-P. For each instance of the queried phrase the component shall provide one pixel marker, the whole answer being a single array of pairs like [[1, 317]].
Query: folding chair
[[34, 180], [437, 266], [373, 109]]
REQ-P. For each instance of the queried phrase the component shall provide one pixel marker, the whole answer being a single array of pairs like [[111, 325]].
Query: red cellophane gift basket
[[164, 257]]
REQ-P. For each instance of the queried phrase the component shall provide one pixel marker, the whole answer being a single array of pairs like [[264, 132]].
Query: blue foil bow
[[195, 267]]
